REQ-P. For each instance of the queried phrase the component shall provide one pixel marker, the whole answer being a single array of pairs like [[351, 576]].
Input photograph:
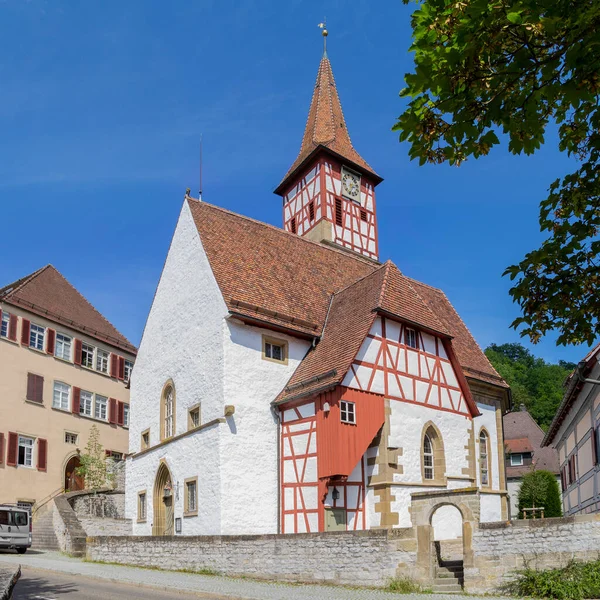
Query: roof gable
[[48, 294]]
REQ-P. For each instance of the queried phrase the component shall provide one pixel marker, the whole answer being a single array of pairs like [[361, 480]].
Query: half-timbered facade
[[289, 382]]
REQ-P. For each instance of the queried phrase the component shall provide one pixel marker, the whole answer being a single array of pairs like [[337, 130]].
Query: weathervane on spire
[[323, 26]]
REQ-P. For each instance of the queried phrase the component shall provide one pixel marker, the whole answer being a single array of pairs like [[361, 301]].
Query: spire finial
[[323, 26]]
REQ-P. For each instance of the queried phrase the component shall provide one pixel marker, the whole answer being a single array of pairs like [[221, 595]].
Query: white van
[[15, 528]]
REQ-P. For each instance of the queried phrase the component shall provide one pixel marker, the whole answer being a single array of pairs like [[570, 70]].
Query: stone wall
[[357, 558], [501, 548], [110, 505]]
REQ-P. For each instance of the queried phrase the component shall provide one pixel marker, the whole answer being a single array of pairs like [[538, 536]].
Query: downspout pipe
[[580, 367]]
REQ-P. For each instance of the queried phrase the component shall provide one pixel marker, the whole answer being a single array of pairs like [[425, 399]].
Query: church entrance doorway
[[163, 502], [73, 482]]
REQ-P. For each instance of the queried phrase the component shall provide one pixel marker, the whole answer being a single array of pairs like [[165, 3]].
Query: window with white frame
[[86, 400], [127, 370], [427, 457], [516, 460], [61, 395], [62, 348], [410, 338], [87, 356], [5, 325], [100, 407], [347, 412], [36, 336], [101, 361], [125, 415], [70, 438], [25, 458]]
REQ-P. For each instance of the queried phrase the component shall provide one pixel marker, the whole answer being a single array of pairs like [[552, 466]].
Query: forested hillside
[[534, 382]]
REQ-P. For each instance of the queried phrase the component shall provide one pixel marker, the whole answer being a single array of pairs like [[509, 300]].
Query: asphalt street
[[36, 584]]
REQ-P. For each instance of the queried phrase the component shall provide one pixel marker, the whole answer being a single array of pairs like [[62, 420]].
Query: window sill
[[42, 351], [34, 402], [190, 514], [142, 521], [6, 339], [65, 360]]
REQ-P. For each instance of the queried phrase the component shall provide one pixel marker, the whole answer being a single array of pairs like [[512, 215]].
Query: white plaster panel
[[310, 471], [369, 350], [428, 343], [413, 362], [378, 386], [449, 374], [373, 518], [306, 410], [490, 507]]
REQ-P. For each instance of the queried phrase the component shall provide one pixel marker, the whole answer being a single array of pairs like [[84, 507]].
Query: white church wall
[[490, 508], [249, 443], [487, 420], [182, 341]]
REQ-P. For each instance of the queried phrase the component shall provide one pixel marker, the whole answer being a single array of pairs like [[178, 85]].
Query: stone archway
[[163, 513]]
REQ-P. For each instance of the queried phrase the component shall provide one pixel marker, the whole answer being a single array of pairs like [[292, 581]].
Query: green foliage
[[93, 462], [534, 382], [574, 582], [540, 488], [403, 585], [513, 66]]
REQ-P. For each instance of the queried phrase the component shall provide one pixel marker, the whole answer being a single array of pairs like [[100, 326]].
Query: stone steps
[[43, 535], [449, 577]]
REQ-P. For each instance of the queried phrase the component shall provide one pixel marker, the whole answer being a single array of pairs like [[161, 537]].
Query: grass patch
[[576, 581], [403, 585]]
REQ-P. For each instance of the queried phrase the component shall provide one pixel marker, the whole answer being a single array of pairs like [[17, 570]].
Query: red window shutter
[[75, 400], [42, 454], [112, 410], [107, 453], [77, 352], [1, 448], [121, 368], [30, 387], [13, 443], [50, 339], [25, 327], [120, 413], [114, 368], [12, 328], [35, 388]]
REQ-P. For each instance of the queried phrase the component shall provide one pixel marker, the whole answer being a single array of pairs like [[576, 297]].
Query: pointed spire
[[326, 126]]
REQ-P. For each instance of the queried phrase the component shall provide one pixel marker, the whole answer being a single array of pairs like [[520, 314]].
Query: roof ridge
[[376, 270], [23, 281], [340, 251], [431, 287]]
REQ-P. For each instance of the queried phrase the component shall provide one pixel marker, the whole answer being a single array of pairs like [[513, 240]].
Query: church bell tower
[[329, 191]]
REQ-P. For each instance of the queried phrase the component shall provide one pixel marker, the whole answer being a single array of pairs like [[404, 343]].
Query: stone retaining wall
[[9, 575], [101, 504], [357, 558]]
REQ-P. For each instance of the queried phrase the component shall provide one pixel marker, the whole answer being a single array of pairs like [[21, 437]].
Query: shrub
[[540, 488], [403, 585], [574, 582]]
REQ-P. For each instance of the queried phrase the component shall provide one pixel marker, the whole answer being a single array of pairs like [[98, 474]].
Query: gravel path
[[226, 587]]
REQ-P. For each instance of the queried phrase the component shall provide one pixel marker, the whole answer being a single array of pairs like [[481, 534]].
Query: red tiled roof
[[48, 294], [520, 431], [277, 278], [326, 126], [518, 446]]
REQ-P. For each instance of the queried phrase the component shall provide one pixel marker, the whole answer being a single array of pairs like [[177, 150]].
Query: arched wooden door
[[73, 482], [163, 503]]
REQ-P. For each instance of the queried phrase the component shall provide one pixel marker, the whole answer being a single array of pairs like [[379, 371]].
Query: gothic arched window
[[167, 412], [428, 465], [484, 459]]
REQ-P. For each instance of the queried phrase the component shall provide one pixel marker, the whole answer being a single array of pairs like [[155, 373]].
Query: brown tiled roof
[[326, 126], [474, 362], [520, 425], [48, 294], [518, 446], [277, 278]]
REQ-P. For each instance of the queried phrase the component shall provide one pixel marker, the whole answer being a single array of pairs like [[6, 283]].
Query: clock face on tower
[[350, 185]]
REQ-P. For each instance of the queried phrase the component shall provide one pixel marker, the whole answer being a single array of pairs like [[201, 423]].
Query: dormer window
[[274, 350], [410, 338], [516, 460]]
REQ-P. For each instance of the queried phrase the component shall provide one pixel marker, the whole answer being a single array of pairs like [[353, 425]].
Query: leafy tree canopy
[[534, 382], [515, 66], [540, 489]]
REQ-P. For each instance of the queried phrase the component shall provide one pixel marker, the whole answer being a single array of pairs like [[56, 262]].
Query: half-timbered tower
[[289, 382]]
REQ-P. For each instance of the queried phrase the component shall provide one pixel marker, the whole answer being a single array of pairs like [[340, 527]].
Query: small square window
[[410, 338], [275, 350], [347, 412], [5, 325], [311, 210], [194, 420], [70, 438], [145, 439], [516, 460], [87, 356], [293, 225], [101, 361], [36, 336], [191, 496], [62, 346]]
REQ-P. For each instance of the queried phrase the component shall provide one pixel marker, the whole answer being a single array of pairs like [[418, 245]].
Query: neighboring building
[[575, 433], [289, 382], [523, 443], [63, 368]]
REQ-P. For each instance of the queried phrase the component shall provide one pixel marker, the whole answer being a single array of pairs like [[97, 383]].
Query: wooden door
[[335, 519], [73, 482]]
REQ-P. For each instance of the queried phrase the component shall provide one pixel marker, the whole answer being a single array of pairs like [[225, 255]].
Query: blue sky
[[101, 110]]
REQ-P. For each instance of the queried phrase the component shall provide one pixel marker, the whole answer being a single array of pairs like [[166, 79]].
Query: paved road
[[36, 584], [127, 581]]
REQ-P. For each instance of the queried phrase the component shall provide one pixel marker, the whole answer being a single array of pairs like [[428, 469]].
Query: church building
[[289, 382]]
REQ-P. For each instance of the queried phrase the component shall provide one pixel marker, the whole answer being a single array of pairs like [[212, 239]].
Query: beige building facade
[[63, 369]]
